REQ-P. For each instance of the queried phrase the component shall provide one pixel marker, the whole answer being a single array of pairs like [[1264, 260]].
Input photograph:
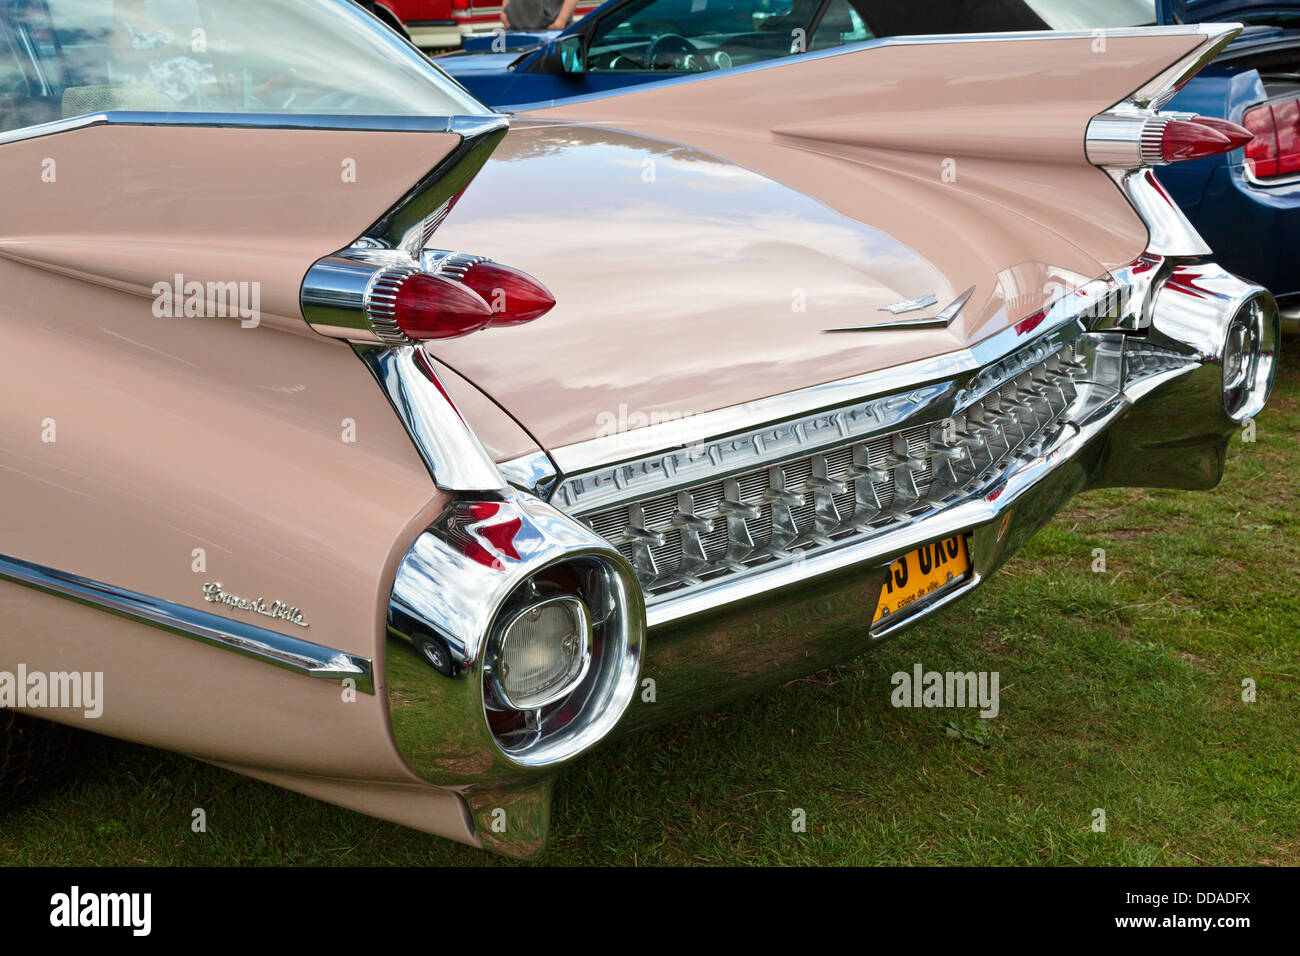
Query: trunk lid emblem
[[940, 320]]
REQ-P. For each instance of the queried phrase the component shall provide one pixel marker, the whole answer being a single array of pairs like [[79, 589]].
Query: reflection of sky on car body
[[732, 245]]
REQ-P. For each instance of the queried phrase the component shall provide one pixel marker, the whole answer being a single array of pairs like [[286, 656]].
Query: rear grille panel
[[688, 538]]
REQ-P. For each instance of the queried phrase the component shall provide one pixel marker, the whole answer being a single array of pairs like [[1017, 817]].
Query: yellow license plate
[[918, 574]]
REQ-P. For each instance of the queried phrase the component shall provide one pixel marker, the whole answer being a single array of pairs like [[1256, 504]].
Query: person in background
[[537, 14]]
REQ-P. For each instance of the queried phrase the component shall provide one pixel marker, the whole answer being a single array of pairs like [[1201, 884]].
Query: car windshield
[[61, 59], [695, 35], [685, 36]]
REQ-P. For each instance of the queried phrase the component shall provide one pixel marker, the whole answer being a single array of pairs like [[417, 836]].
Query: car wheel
[[33, 754], [435, 653]]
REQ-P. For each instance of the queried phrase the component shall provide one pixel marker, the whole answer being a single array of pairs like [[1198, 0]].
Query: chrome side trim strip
[[464, 125], [269, 647], [619, 447]]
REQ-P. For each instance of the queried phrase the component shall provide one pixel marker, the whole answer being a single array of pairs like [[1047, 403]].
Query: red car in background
[[440, 24], [429, 24]]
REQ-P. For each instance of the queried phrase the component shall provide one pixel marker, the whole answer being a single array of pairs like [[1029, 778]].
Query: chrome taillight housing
[[389, 304], [1131, 138]]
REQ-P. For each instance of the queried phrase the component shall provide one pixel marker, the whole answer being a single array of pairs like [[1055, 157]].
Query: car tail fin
[[1021, 119], [1022, 95]]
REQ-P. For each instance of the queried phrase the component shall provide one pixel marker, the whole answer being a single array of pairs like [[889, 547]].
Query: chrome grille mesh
[[706, 531], [1142, 359]]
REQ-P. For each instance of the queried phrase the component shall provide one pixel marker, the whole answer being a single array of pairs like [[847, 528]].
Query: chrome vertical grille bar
[[688, 538]]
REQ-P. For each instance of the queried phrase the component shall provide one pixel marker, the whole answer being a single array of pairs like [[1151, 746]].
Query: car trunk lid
[[702, 237]]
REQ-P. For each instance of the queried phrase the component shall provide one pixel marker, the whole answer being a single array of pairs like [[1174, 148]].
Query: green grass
[[1119, 691]]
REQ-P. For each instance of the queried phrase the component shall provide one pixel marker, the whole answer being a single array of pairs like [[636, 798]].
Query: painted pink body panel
[[143, 402], [134, 205], [173, 434], [708, 232], [165, 691]]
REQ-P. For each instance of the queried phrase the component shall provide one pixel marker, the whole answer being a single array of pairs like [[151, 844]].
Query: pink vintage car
[[368, 442]]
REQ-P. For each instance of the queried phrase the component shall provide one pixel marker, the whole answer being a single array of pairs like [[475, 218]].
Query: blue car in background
[[1245, 203], [625, 42]]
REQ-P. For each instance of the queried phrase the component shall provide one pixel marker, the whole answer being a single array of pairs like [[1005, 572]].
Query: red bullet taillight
[[452, 296], [514, 297], [1201, 136], [1129, 139], [1237, 135], [1274, 149], [431, 307]]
